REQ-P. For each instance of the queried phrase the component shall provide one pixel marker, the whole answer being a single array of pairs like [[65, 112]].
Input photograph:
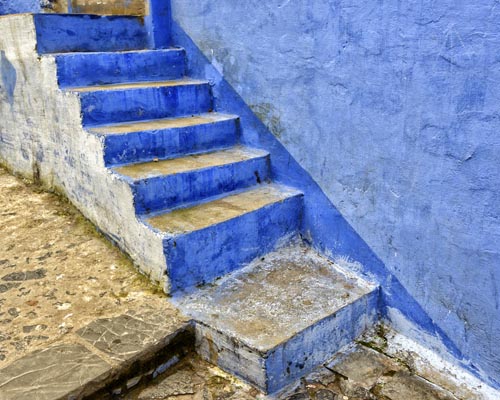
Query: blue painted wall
[[393, 109], [19, 6]]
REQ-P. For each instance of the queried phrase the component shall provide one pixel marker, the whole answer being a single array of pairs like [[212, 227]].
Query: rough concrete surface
[[57, 274]]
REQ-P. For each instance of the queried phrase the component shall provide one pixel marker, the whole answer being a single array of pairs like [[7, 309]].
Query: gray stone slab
[[363, 366], [127, 336], [57, 372], [404, 386]]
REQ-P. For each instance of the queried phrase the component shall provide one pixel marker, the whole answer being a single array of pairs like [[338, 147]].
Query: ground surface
[[68, 296], [57, 274]]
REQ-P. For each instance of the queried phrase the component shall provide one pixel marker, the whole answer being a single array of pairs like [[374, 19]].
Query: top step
[[63, 33]]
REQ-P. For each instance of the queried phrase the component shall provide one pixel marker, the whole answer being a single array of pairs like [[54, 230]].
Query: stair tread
[[138, 51], [189, 163], [201, 216], [137, 85], [271, 300], [163, 123]]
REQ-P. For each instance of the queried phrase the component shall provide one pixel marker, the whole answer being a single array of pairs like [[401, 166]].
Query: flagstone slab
[[62, 371]]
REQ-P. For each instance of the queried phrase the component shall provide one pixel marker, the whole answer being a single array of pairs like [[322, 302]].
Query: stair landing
[[275, 320]]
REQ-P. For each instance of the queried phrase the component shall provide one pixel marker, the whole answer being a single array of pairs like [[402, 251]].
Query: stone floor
[[74, 314]]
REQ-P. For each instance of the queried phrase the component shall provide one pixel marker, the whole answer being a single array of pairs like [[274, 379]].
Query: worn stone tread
[[164, 123], [214, 212], [137, 85], [276, 297], [189, 163]]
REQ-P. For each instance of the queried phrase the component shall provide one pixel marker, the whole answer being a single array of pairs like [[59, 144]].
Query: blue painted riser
[[316, 344], [86, 69], [113, 106], [168, 143], [61, 33], [200, 257], [168, 191]]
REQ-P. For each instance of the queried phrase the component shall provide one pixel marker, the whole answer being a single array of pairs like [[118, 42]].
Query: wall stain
[[8, 76]]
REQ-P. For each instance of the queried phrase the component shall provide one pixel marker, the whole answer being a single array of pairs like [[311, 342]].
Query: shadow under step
[[101, 68], [280, 317], [166, 138], [139, 101], [158, 185], [206, 241]]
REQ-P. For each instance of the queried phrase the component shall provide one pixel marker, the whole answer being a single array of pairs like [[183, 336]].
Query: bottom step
[[277, 319]]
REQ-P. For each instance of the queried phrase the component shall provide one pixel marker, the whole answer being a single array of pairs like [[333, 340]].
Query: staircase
[[280, 308]]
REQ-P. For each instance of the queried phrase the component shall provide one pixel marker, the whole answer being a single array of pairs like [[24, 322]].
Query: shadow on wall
[[323, 226]]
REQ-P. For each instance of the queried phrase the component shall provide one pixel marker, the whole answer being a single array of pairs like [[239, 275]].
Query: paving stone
[[25, 275], [363, 366], [179, 383], [126, 336], [52, 373], [404, 386]]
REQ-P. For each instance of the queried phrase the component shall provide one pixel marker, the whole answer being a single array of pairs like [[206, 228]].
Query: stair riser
[[295, 358], [87, 69], [168, 143], [205, 255], [114, 106], [169, 191], [62, 33]]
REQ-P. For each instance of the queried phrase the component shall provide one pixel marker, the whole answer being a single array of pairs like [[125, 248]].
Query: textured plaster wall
[[393, 108], [41, 136]]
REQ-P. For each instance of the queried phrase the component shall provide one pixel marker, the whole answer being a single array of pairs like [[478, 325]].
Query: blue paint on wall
[[8, 78], [19, 6], [393, 110]]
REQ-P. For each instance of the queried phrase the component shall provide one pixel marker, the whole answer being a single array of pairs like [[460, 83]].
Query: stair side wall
[[41, 137]]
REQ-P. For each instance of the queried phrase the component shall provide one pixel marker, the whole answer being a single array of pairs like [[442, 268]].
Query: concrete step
[[166, 138], [278, 318], [158, 185], [108, 104], [108, 7], [62, 33], [206, 241], [101, 68]]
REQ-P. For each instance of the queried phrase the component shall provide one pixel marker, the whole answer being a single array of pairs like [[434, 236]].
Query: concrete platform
[[280, 317]]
